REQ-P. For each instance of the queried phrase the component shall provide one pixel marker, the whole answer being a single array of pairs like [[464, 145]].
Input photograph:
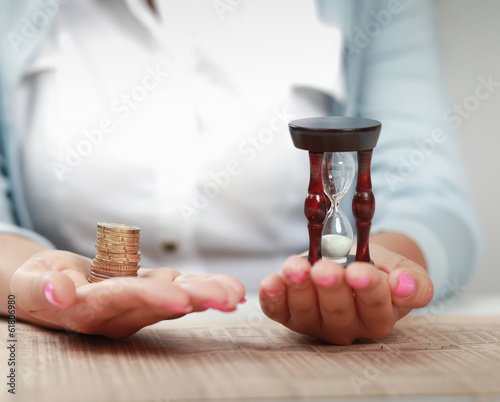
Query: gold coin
[[118, 227], [117, 249], [115, 231], [117, 242], [100, 243], [133, 253], [109, 261], [113, 271], [106, 276], [105, 232], [118, 252], [106, 259], [115, 265], [121, 261], [117, 237], [115, 253], [94, 279], [98, 261], [121, 255]]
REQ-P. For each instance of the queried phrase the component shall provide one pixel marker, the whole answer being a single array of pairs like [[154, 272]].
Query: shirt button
[[170, 246]]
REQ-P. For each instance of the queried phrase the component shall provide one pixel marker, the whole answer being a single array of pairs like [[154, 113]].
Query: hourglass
[[329, 141]]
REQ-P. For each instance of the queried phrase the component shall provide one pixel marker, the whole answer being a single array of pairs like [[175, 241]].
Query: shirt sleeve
[[15, 50], [394, 74], [8, 224]]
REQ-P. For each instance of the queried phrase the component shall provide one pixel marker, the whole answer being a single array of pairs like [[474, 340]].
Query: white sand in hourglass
[[336, 247]]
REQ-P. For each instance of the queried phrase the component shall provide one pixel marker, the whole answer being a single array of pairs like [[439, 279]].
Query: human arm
[[424, 217], [418, 168], [51, 289]]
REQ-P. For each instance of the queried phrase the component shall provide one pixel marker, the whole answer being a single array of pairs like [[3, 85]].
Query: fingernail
[[215, 304], [406, 286], [297, 277], [48, 291], [326, 282], [174, 308], [226, 309], [360, 283], [272, 293], [243, 300]]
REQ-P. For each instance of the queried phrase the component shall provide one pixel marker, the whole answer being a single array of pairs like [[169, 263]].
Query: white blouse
[[177, 122]]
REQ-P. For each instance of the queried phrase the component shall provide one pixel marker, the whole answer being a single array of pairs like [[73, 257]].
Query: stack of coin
[[118, 252]]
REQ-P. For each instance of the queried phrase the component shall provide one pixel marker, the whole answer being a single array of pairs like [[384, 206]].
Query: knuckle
[[270, 309], [304, 310], [373, 303], [336, 311]]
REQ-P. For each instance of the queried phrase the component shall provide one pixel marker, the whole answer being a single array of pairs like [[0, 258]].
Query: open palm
[[52, 287]]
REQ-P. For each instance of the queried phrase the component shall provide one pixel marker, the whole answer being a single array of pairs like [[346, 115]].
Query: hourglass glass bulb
[[338, 173], [337, 237]]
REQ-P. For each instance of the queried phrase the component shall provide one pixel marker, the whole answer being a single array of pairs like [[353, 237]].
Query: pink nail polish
[[48, 292], [326, 282], [215, 304], [360, 283], [174, 308], [406, 286], [272, 293], [297, 277]]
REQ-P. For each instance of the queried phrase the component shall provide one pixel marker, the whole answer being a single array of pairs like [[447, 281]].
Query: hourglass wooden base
[[337, 134]]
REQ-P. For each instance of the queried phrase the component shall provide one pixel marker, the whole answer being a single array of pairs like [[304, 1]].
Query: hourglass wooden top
[[335, 133]]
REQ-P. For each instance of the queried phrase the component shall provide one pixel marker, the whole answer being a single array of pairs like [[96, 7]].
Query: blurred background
[[470, 32]]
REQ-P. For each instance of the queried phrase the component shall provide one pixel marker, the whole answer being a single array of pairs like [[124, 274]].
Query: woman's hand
[[52, 288], [341, 305]]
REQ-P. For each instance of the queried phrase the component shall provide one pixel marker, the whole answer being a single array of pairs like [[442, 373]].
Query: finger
[[76, 266], [215, 289], [235, 289], [272, 297], [37, 287], [173, 299], [301, 293], [180, 293], [410, 284], [142, 293], [115, 306], [166, 274], [219, 292], [189, 289], [411, 287], [373, 298], [336, 302]]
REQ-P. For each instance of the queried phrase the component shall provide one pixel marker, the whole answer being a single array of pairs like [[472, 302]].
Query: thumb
[[410, 288], [38, 288]]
